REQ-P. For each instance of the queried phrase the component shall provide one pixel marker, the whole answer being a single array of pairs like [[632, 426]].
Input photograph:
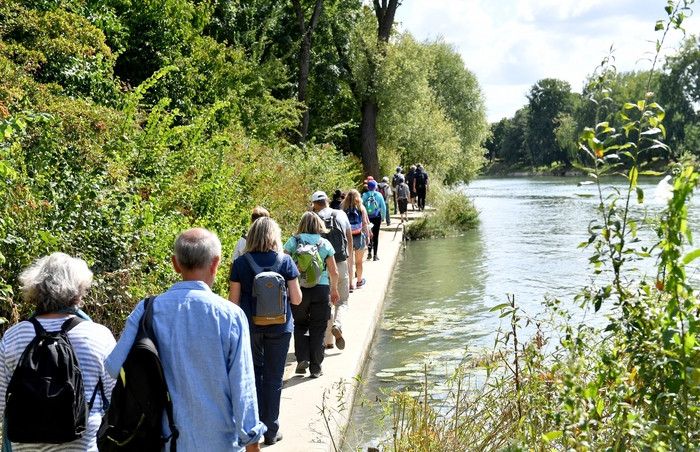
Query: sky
[[511, 44]]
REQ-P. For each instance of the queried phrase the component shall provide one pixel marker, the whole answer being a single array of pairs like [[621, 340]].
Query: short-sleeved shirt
[[243, 274], [325, 249], [92, 343]]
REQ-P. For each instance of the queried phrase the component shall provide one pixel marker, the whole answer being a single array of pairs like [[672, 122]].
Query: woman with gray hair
[[55, 285]]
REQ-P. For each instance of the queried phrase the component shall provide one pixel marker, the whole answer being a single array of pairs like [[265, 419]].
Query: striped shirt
[[92, 343]]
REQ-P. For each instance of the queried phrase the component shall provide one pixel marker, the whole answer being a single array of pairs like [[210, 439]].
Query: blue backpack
[[355, 218]]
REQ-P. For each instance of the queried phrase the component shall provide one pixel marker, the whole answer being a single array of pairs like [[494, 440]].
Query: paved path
[[301, 422]]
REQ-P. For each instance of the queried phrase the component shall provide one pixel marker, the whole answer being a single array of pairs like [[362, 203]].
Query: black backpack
[[45, 400], [336, 235], [133, 421]]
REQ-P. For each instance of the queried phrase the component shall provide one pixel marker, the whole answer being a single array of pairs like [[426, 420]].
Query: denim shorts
[[359, 241]]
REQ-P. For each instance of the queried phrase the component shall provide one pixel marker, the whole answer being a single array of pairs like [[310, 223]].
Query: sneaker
[[352, 288], [338, 335], [361, 283], [376, 258], [272, 441], [369, 256], [330, 346], [301, 367], [316, 374]]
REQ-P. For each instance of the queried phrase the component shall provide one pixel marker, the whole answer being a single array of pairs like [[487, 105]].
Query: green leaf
[[659, 25], [550, 436], [499, 307], [690, 257]]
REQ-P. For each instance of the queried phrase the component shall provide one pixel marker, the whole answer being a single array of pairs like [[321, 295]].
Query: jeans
[[311, 316], [269, 357]]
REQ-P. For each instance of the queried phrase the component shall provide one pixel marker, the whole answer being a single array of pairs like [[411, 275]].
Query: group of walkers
[[224, 366]]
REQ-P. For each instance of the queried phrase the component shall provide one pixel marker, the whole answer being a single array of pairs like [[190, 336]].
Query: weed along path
[[304, 426]]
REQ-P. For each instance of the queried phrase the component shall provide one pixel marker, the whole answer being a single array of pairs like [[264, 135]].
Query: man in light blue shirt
[[204, 346]]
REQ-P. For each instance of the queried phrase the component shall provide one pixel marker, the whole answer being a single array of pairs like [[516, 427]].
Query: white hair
[[55, 282]]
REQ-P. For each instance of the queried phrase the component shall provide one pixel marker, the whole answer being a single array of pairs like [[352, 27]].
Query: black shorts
[[403, 205]]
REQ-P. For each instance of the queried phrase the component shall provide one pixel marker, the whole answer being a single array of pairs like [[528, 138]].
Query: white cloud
[[511, 44]]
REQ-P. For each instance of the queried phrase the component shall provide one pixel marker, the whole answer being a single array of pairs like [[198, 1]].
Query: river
[[437, 307]]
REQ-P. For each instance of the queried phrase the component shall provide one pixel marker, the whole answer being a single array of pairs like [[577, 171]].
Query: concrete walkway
[[304, 427]]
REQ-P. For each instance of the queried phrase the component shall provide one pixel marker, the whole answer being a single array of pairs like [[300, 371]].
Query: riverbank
[[304, 426]]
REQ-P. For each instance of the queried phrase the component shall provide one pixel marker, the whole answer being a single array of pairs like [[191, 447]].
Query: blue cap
[[372, 185]]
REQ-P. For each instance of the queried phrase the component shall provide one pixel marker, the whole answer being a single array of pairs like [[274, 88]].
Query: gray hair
[[55, 282], [196, 248]]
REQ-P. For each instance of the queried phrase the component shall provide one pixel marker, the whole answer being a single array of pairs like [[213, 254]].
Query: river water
[[437, 308]]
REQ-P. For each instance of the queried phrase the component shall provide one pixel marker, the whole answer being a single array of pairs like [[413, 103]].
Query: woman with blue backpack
[[361, 234], [376, 210], [267, 307], [315, 259]]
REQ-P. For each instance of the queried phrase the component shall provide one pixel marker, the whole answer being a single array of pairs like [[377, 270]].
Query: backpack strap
[[253, 265], [103, 396], [146, 323]]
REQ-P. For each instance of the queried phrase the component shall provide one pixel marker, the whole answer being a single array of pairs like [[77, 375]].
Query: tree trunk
[[368, 137], [305, 61], [304, 64], [370, 107]]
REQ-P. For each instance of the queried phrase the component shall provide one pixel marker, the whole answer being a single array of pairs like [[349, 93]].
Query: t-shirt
[[243, 274], [325, 250], [92, 343], [421, 178]]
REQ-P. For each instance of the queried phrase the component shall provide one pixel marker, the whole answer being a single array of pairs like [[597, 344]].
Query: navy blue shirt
[[243, 274]]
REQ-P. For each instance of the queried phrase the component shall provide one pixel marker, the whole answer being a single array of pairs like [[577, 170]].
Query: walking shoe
[[272, 441], [369, 256], [330, 346], [301, 367], [376, 258], [352, 288], [316, 374], [338, 335], [361, 283]]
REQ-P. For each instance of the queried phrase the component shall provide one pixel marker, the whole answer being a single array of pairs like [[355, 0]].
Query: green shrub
[[453, 214]]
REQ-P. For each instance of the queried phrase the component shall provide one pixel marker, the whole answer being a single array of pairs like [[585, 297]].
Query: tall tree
[[362, 62], [548, 99], [679, 94], [369, 107], [306, 30]]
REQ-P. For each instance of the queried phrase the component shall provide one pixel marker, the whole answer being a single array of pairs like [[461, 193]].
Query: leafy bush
[[454, 213]]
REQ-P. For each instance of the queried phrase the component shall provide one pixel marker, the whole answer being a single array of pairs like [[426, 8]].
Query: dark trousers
[[420, 193], [311, 316], [376, 224], [396, 204], [269, 357]]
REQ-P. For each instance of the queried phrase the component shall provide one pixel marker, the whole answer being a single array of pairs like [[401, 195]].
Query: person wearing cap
[[376, 210], [395, 181], [421, 185], [344, 261], [385, 189]]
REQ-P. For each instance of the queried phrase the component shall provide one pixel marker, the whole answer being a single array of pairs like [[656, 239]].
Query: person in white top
[[55, 286]]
